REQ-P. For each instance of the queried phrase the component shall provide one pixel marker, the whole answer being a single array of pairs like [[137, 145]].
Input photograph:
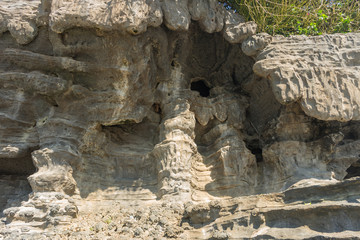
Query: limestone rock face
[[321, 73], [171, 119]]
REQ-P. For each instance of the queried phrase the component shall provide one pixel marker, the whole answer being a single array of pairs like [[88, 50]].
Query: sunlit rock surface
[[170, 119]]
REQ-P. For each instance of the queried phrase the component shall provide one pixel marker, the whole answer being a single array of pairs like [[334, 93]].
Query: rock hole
[[254, 147], [21, 166], [233, 77], [156, 108], [14, 186], [201, 87], [353, 170], [258, 154], [352, 135]]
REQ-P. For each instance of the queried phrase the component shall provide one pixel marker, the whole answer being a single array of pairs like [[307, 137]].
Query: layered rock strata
[[178, 115]]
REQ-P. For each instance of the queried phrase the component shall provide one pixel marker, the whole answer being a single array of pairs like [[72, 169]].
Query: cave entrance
[[255, 148], [353, 170], [14, 186], [123, 167], [22, 166], [201, 87]]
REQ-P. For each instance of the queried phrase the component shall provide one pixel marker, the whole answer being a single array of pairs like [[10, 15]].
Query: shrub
[[309, 17]]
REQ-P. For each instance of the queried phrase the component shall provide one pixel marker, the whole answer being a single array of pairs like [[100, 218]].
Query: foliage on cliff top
[[290, 17]]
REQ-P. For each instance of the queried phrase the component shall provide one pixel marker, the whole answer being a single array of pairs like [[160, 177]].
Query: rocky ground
[[309, 210]]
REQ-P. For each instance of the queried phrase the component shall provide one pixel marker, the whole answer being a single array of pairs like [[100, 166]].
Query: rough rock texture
[[321, 74], [170, 119]]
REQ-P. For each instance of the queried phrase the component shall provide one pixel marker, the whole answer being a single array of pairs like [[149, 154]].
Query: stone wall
[[173, 119]]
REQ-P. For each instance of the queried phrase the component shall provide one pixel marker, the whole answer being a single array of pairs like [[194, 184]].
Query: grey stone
[[172, 119]]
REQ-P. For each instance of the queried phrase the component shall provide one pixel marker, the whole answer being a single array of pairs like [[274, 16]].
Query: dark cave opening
[[254, 147], [22, 166], [258, 154], [201, 87], [156, 108], [14, 186], [353, 170]]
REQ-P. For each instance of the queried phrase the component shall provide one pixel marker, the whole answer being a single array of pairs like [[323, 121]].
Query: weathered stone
[[236, 30], [19, 18], [318, 72], [209, 14], [255, 44], [170, 119]]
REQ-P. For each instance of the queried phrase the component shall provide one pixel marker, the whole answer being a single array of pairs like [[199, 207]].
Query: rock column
[[175, 151]]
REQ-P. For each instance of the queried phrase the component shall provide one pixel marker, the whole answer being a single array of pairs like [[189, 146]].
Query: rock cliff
[[154, 119]]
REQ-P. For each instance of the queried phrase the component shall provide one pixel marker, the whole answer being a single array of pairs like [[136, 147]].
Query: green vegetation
[[108, 221], [309, 17]]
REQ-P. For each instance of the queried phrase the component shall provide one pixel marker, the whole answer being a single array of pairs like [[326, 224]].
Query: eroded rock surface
[[150, 119], [321, 73]]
